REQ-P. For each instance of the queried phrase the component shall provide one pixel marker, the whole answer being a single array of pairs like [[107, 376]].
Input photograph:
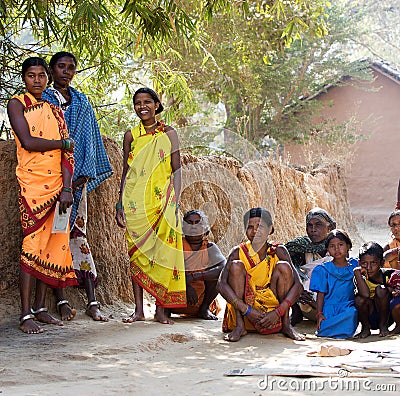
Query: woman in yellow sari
[[44, 173], [148, 208], [259, 283]]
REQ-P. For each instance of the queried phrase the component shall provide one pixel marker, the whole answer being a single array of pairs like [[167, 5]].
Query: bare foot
[[383, 332], [236, 334], [28, 325], [364, 333], [206, 314], [93, 311], [162, 317], [290, 332], [66, 311], [43, 316], [134, 318]]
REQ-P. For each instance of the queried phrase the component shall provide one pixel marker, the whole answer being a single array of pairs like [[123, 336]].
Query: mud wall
[[222, 187]]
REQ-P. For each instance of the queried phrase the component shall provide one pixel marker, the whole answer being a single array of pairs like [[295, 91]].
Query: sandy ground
[[188, 358]]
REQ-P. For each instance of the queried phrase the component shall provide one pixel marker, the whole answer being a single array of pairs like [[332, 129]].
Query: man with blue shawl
[[92, 167]]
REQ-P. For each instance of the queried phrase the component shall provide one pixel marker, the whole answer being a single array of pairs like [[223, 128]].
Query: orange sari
[[196, 261], [44, 255]]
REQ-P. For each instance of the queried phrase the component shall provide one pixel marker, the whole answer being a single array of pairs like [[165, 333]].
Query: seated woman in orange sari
[[44, 173], [259, 283], [203, 265]]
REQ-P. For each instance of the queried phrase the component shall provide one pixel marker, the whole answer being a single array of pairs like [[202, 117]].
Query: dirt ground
[[188, 358]]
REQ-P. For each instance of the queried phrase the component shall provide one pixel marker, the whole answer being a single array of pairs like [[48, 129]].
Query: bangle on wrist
[[65, 144], [280, 310], [248, 310], [235, 302], [288, 302], [118, 205], [67, 189]]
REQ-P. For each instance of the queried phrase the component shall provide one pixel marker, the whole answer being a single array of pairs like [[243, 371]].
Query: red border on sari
[[29, 220], [175, 299]]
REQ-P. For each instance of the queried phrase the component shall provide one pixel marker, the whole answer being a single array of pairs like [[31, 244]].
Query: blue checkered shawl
[[90, 156]]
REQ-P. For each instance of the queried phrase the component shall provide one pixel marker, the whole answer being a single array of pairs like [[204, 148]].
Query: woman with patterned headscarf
[[306, 252]]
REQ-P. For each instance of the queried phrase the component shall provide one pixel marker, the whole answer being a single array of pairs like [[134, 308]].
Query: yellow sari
[[149, 201], [44, 255], [257, 288]]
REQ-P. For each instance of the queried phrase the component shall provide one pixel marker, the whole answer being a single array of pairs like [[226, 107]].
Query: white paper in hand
[[60, 222]]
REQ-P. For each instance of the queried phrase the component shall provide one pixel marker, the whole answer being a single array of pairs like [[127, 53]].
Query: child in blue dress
[[333, 282]]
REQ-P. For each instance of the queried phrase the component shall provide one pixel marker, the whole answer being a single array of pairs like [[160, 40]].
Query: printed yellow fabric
[[44, 255], [154, 238], [257, 289]]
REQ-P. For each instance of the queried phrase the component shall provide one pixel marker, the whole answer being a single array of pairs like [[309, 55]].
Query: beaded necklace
[[143, 128]]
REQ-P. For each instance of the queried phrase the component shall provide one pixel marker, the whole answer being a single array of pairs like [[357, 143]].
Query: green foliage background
[[259, 58]]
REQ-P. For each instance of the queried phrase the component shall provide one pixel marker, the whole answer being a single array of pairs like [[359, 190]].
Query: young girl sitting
[[373, 297], [333, 282], [391, 249]]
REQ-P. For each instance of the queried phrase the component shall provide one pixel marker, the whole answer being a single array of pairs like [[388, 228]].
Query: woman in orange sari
[[44, 173], [203, 265]]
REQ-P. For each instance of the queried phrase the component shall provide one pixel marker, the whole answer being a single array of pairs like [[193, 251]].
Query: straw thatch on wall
[[222, 187]]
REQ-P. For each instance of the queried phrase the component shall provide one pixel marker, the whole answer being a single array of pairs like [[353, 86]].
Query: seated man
[[259, 283], [306, 252], [203, 265]]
